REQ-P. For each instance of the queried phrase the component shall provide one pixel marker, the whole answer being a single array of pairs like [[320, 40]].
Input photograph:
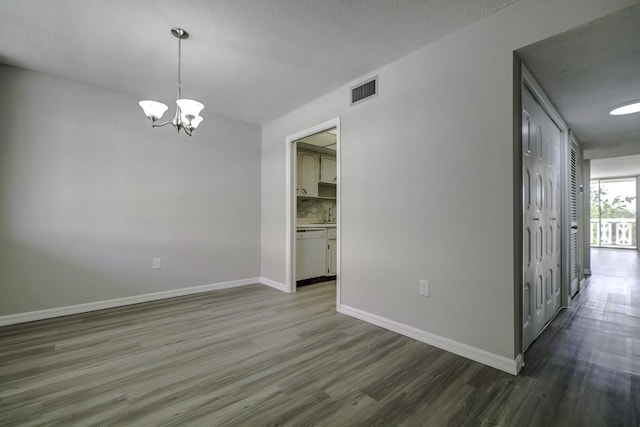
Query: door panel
[[541, 160], [527, 314]]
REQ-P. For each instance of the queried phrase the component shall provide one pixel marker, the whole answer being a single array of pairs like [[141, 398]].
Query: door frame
[[291, 208], [526, 81]]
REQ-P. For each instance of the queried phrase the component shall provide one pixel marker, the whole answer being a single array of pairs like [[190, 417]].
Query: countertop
[[330, 225]]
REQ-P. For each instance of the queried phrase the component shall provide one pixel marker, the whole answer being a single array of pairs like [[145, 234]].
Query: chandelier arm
[[156, 125]]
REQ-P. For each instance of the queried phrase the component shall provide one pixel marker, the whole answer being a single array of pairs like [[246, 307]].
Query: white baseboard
[[31, 316], [587, 271], [502, 363], [276, 285], [519, 362]]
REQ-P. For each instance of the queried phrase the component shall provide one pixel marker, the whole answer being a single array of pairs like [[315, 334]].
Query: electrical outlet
[[425, 288], [157, 263]]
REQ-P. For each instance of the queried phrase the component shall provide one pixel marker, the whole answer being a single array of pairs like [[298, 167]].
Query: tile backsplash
[[315, 210]]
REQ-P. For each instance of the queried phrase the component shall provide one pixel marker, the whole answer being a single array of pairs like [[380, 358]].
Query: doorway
[[614, 213], [313, 206]]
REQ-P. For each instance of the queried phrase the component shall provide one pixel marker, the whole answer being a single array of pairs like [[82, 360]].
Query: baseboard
[[519, 362], [587, 271], [502, 363], [583, 283], [276, 285], [49, 313]]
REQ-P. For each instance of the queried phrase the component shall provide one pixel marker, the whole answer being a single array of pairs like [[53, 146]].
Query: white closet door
[[542, 141]]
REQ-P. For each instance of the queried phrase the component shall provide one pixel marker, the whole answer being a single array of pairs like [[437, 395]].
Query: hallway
[[588, 359], [612, 302]]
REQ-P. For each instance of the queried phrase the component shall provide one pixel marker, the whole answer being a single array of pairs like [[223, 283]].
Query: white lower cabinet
[[332, 252]]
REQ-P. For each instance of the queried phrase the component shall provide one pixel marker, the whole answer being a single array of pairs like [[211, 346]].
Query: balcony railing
[[613, 232]]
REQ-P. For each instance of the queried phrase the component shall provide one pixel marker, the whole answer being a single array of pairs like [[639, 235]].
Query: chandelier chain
[[179, 66]]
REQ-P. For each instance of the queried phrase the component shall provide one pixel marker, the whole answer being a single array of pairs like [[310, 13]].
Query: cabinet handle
[[304, 191]]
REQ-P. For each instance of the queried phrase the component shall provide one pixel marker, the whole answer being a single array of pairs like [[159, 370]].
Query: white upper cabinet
[[307, 174], [328, 173]]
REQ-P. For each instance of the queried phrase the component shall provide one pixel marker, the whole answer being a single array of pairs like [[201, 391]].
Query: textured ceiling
[[254, 60], [589, 70]]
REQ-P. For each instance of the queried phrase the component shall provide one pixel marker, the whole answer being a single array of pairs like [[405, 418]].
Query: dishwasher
[[311, 253]]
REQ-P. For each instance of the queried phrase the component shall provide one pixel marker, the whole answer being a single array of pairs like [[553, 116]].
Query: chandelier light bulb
[[190, 107], [153, 109], [196, 121]]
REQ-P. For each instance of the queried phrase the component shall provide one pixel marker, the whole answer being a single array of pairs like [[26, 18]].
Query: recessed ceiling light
[[626, 108]]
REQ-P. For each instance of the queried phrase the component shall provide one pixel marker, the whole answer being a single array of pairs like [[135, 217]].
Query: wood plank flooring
[[254, 356]]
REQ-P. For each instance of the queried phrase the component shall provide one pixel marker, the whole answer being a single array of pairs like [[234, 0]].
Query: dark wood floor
[[255, 356]]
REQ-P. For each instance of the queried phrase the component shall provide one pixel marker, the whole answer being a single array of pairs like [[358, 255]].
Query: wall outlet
[[425, 288], [157, 263]]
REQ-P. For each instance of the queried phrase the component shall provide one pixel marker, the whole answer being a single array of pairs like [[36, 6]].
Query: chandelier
[[187, 115]]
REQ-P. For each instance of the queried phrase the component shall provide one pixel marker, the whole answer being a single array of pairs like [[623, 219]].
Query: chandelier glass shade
[[187, 115]]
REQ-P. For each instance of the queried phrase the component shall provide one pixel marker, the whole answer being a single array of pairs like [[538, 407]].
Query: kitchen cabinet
[[328, 171], [307, 174], [332, 252]]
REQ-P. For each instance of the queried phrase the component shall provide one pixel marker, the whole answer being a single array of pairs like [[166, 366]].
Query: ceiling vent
[[364, 90]]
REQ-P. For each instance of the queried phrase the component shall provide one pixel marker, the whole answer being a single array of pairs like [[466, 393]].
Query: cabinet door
[[332, 257], [328, 170], [308, 175]]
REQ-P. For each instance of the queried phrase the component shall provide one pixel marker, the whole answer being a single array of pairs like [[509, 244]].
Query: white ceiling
[[325, 139], [589, 70], [254, 60]]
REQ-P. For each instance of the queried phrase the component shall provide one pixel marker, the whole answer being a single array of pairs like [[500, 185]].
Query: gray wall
[[586, 216], [427, 178], [90, 193]]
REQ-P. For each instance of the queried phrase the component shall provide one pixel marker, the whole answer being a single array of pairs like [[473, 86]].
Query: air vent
[[364, 90]]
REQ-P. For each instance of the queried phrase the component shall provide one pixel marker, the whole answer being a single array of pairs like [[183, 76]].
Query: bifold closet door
[[541, 140]]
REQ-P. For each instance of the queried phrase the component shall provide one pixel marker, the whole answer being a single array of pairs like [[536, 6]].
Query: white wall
[[427, 178], [90, 193], [615, 167], [604, 152], [586, 216]]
